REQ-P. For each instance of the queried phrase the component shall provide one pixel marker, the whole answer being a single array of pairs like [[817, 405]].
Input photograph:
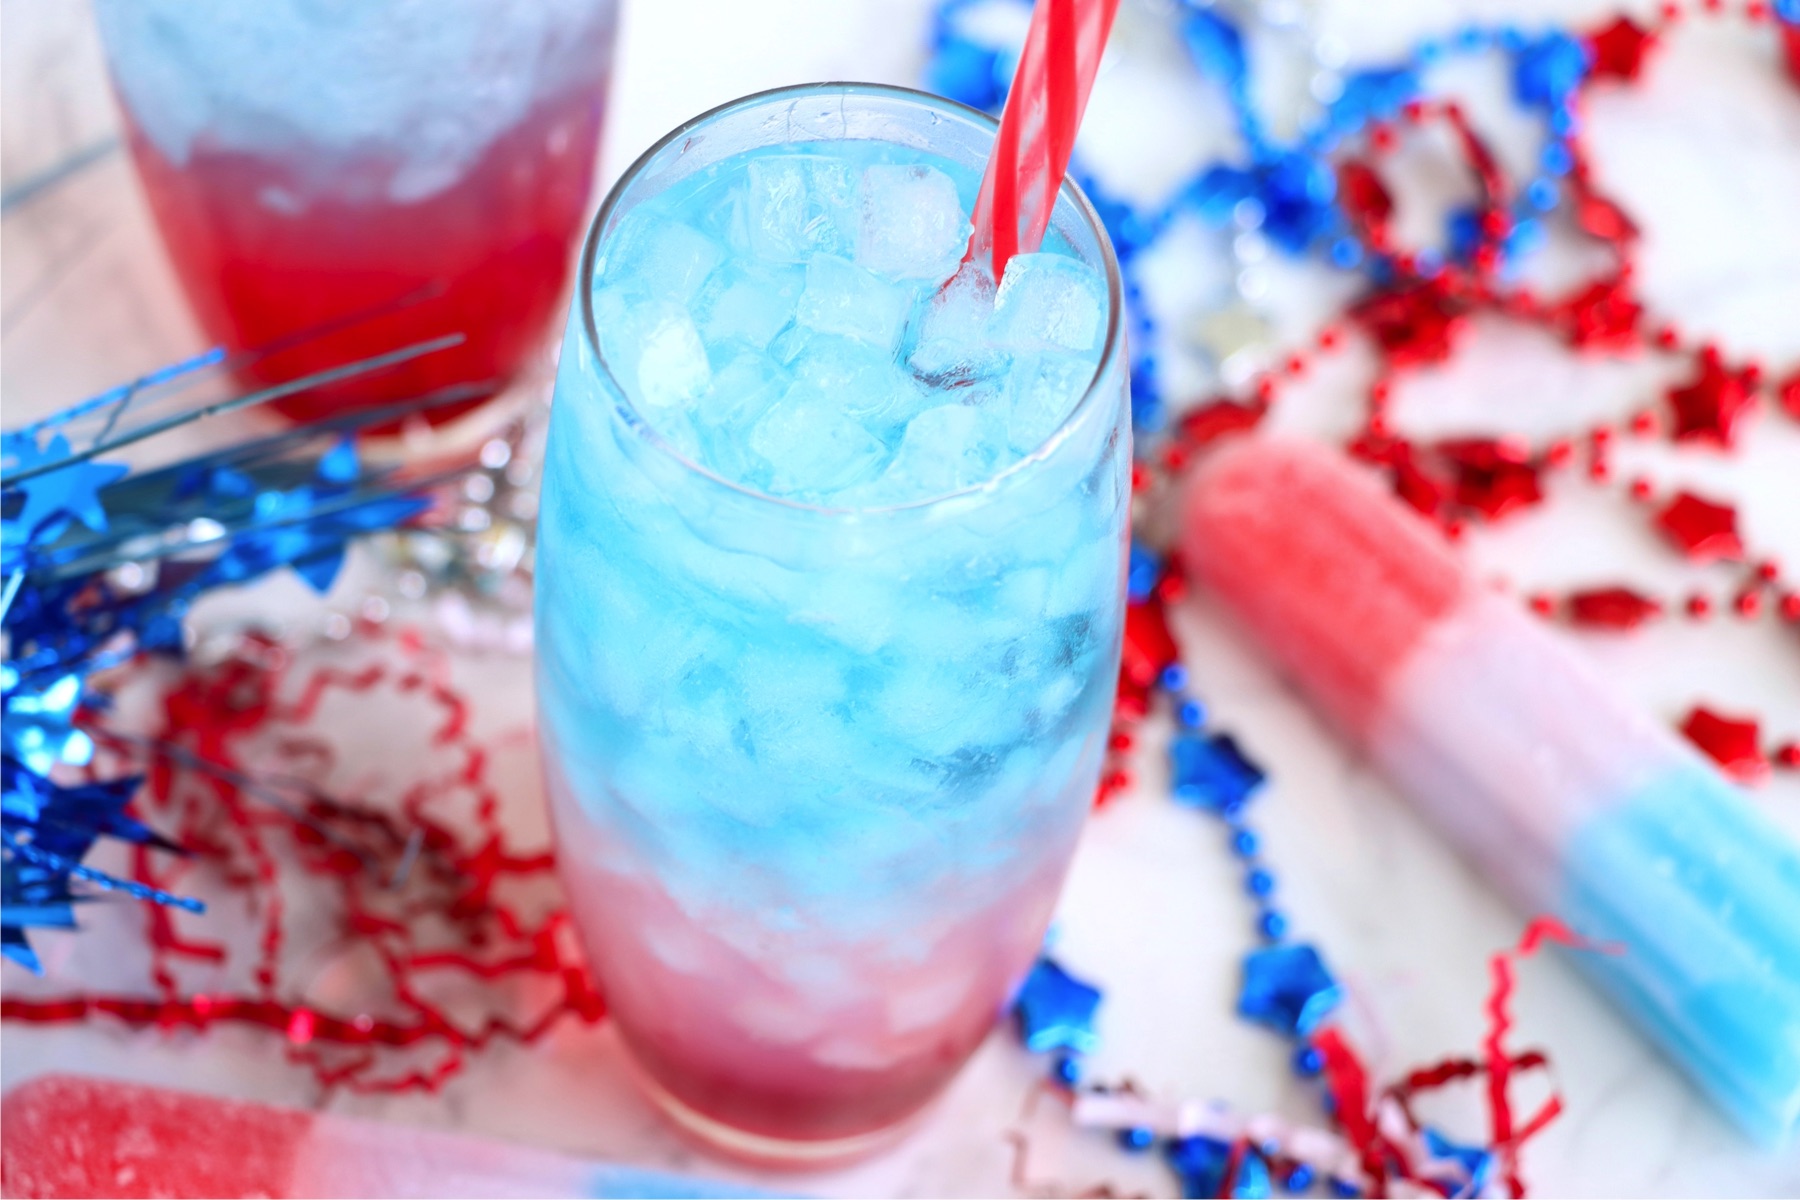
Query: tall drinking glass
[[817, 773], [357, 175]]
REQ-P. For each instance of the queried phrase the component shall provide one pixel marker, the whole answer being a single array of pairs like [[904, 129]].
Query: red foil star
[[1494, 476], [1619, 49], [1603, 316], [1731, 743], [1709, 407], [1149, 646], [1612, 608], [1413, 326], [1364, 197], [1704, 531], [1788, 393]]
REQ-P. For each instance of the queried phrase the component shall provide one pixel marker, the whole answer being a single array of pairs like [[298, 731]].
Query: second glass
[[337, 180], [817, 773]]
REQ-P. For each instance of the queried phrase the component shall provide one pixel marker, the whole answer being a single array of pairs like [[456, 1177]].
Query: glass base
[[763, 1150]]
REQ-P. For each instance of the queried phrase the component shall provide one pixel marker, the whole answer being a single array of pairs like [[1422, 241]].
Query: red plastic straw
[[1037, 131]]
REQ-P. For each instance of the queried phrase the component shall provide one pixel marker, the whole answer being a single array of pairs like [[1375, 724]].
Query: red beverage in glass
[[336, 182]]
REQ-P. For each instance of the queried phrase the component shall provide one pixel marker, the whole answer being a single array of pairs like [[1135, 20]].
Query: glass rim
[[1109, 351]]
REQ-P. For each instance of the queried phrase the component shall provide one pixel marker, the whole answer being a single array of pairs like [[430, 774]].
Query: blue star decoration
[[1212, 771], [1201, 1163], [1056, 1010], [1288, 988], [41, 510], [48, 830], [1472, 1166]]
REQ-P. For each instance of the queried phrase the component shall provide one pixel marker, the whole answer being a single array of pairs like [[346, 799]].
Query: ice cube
[[1044, 389], [912, 224], [943, 450], [858, 378], [798, 205], [672, 369], [652, 349], [749, 303], [742, 391], [669, 259], [1049, 302], [844, 299], [812, 447], [949, 342]]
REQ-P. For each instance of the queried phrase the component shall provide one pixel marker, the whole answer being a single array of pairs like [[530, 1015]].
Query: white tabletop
[[1708, 153]]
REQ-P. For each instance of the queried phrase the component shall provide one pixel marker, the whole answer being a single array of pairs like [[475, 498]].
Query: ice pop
[[65, 1135], [1563, 794]]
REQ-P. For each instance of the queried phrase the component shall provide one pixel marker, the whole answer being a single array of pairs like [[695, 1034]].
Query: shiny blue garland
[[102, 562]]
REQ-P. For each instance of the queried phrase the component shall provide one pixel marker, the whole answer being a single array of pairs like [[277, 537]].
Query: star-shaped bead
[[1056, 1010], [1620, 49], [1288, 988], [1709, 407], [1604, 316], [1213, 772], [1735, 745], [1612, 608], [1466, 1170], [1415, 326], [1788, 393], [1149, 646], [1494, 476], [1201, 1163], [1702, 530]]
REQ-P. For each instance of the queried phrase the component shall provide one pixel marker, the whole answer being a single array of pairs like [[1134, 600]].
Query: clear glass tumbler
[[817, 773], [352, 176]]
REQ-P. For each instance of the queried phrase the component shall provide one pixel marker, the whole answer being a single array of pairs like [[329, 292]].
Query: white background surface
[[1707, 154]]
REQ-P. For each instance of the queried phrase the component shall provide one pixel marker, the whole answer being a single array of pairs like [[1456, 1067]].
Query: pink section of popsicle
[[1337, 581], [68, 1136]]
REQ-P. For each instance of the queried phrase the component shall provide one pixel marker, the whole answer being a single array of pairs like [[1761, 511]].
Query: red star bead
[[1494, 476], [1363, 195], [1730, 743], [1604, 316], [1619, 49], [1788, 392], [1790, 48], [1603, 219], [1612, 608], [1149, 646], [1414, 326], [1704, 531], [1209, 422], [1708, 407]]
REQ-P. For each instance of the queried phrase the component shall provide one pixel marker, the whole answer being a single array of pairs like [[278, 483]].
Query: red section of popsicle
[[62, 1135], [1273, 525]]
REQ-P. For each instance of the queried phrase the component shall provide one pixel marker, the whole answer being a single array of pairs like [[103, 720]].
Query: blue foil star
[[1212, 772], [1056, 1010], [1288, 988], [1476, 1165], [1201, 1163], [1547, 70]]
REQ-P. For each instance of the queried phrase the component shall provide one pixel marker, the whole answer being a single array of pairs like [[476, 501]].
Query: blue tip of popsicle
[[1700, 895]]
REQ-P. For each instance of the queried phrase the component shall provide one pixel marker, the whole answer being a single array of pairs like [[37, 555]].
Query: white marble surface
[[1708, 154]]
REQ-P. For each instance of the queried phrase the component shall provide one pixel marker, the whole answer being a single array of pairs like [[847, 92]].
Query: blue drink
[[831, 583]]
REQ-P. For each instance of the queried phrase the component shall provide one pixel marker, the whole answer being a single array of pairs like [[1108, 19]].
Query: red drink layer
[[737, 1028], [280, 244]]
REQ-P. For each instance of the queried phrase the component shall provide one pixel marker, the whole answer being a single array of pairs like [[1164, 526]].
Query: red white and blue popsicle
[[66, 1135], [1565, 796]]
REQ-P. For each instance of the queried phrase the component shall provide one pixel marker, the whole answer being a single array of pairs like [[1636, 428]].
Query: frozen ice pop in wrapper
[[65, 1136], [1570, 800]]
